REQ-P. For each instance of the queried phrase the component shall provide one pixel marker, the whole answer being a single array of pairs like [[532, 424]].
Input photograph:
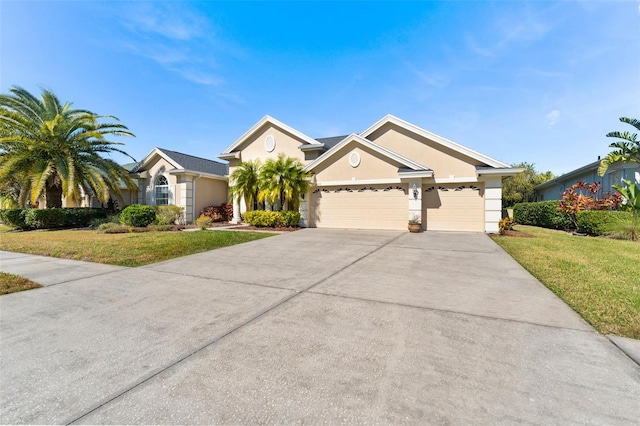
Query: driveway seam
[[219, 279], [213, 342], [453, 312], [84, 278]]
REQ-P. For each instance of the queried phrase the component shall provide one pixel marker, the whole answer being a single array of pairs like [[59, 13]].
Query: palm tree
[[245, 182], [283, 180], [627, 149], [53, 150]]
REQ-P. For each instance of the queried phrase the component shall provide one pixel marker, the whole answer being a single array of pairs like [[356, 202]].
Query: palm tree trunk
[[53, 195]]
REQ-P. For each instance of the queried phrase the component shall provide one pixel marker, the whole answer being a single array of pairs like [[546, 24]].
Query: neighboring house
[[167, 177], [553, 189], [380, 178]]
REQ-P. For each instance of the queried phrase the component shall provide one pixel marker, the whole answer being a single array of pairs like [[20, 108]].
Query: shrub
[[505, 224], [14, 217], [221, 213], [544, 214], [290, 218], [602, 222], [44, 218], [113, 228], [261, 218], [137, 215], [168, 215], [204, 222], [96, 222]]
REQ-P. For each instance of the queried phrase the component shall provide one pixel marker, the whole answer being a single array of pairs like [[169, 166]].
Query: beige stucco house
[[166, 177], [382, 177]]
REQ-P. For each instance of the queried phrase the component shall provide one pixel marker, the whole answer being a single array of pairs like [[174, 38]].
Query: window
[[162, 191]]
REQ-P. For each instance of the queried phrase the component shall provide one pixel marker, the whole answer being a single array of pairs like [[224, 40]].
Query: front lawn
[[10, 283], [131, 249], [598, 277]]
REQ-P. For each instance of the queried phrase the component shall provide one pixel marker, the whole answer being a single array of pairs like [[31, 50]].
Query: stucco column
[[415, 199], [492, 203], [304, 209], [236, 211], [186, 197]]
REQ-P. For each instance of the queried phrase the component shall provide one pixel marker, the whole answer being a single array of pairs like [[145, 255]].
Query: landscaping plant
[[584, 196], [49, 149], [137, 215]]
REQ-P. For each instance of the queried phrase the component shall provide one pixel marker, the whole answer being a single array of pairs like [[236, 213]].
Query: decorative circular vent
[[269, 143], [354, 159]]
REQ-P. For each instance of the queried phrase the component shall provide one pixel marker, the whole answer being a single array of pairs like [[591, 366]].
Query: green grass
[[10, 283], [598, 277], [133, 249], [4, 227]]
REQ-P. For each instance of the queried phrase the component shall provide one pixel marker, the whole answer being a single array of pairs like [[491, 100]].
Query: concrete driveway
[[315, 326]]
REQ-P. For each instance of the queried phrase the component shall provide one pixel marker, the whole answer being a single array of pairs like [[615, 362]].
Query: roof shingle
[[197, 164]]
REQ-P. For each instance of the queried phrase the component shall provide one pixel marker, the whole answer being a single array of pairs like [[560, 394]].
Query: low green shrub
[[113, 228], [168, 215], [262, 218], [290, 218], [602, 222], [96, 222], [14, 218], [204, 222], [44, 218], [543, 213], [137, 215], [68, 217]]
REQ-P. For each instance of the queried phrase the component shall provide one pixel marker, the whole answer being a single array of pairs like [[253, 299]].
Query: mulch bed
[[513, 233], [264, 228]]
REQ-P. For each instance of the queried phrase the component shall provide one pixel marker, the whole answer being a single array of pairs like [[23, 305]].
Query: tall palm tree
[[54, 150], [245, 182], [283, 180], [627, 149]]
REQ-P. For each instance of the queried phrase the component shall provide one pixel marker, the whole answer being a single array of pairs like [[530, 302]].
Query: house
[[553, 189], [166, 177], [383, 176]]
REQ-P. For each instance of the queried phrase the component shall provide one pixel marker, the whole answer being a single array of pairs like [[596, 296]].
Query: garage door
[[454, 208], [363, 207]]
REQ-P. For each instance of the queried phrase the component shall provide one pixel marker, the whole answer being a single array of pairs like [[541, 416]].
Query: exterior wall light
[[415, 191]]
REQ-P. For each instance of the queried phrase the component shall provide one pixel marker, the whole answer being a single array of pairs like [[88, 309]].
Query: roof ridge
[[190, 155]]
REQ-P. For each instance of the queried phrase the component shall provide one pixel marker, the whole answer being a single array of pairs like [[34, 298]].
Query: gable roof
[[436, 138], [268, 119], [580, 170], [331, 141], [186, 162], [412, 165]]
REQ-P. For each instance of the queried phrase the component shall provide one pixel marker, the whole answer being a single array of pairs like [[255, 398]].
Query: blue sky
[[540, 81]]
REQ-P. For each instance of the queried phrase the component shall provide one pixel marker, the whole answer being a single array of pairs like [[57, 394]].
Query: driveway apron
[[315, 326]]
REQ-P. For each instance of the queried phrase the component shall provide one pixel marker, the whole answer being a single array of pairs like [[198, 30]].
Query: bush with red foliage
[[221, 213], [584, 196]]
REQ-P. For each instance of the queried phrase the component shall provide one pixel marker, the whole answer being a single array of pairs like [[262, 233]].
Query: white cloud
[[553, 117], [508, 31], [169, 34]]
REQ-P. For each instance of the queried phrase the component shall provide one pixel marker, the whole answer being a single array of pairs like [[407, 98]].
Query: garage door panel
[[370, 207], [453, 208]]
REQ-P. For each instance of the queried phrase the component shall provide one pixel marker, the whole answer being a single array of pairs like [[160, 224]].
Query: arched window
[[162, 191]]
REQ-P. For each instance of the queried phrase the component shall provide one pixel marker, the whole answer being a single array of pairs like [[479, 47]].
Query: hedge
[[14, 218], [601, 222], [70, 217], [543, 213], [262, 218]]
